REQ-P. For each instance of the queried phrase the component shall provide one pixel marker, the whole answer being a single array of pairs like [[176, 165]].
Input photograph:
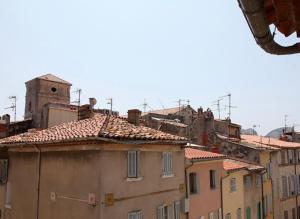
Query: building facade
[[100, 167], [204, 173]]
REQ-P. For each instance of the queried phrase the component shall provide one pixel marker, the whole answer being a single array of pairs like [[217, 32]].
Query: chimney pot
[[134, 116]]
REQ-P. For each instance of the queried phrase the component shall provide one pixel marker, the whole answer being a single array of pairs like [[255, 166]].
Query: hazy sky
[[158, 50]]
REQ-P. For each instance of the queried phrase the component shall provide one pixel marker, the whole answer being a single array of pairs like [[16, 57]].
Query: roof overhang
[[284, 14]]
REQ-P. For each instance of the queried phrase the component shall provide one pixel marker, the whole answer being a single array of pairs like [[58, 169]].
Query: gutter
[[256, 19], [222, 203]]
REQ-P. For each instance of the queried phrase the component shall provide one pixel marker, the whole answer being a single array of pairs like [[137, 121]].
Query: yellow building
[[242, 190]]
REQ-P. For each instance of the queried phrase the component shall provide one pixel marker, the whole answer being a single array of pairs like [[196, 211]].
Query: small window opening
[[53, 89]]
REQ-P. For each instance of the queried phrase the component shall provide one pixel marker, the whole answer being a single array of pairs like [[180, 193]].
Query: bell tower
[[42, 90]]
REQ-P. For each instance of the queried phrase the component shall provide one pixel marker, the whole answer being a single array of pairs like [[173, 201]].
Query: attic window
[[53, 89]]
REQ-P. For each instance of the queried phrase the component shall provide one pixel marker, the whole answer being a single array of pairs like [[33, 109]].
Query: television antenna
[[110, 102], [229, 104], [13, 106]]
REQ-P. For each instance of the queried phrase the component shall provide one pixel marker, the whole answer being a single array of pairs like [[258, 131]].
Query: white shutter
[[171, 211], [211, 215], [131, 215], [139, 215], [177, 210], [132, 164], [160, 212]]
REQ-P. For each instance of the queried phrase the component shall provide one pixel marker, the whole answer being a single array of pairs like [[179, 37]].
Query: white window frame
[[228, 216], [163, 212], [211, 215], [135, 215], [167, 164], [133, 164]]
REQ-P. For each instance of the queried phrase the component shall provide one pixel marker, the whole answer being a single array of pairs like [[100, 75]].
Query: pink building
[[204, 173]]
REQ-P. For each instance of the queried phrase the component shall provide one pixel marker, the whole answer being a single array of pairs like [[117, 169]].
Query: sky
[[159, 51]]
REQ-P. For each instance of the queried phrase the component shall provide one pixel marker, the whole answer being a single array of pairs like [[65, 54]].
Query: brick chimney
[[134, 116]]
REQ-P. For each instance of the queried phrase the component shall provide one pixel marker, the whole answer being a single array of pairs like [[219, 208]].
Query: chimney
[[134, 116], [6, 118], [87, 110]]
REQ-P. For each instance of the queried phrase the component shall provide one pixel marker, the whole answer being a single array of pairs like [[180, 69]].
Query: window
[[211, 215], [269, 170], [212, 177], [239, 213], [293, 213], [265, 205], [3, 170], [193, 183], [258, 180], [286, 215], [8, 195], [284, 187], [282, 154], [167, 163], [232, 184], [248, 181], [132, 164], [228, 216], [177, 210], [135, 215], [291, 156], [258, 210], [248, 213], [298, 155], [162, 212], [53, 89], [298, 185], [292, 183]]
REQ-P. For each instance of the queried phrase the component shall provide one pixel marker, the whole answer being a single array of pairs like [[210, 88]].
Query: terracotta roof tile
[[233, 165], [98, 126], [191, 153], [269, 142]]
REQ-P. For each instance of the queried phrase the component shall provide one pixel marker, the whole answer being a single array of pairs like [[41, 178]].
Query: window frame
[[213, 179], [135, 215], [167, 163], [195, 182], [232, 185], [133, 173]]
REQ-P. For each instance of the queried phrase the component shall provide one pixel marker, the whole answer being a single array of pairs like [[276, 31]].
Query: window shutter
[[139, 215], [171, 211], [132, 164], [160, 212], [177, 210], [3, 169], [284, 187]]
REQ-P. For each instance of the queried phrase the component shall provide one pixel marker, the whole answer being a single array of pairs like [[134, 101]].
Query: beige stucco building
[[101, 167], [242, 190]]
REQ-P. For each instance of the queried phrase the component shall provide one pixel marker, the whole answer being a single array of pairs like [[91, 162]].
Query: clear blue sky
[[158, 50]]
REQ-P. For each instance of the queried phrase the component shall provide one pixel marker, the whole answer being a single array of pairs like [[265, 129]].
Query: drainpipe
[[262, 194], [38, 175], [256, 19], [222, 203]]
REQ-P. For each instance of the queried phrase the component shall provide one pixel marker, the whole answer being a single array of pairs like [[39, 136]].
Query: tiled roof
[[98, 126], [268, 142], [191, 153], [51, 77], [234, 165]]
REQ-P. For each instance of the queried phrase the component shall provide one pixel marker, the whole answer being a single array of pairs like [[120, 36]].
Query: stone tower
[[42, 90]]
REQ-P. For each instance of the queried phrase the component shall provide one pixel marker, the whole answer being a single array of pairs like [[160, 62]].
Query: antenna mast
[[285, 122], [229, 104], [78, 91], [110, 102], [13, 106]]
